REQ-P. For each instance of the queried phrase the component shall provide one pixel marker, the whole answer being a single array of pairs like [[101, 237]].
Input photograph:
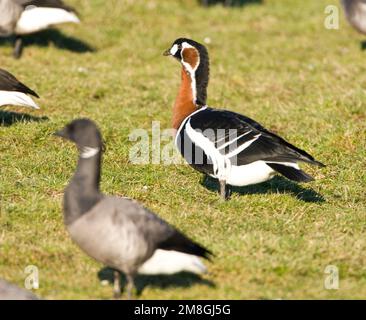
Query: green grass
[[273, 62]]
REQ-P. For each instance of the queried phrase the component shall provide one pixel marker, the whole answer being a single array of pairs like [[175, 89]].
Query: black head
[[179, 45], [194, 58], [83, 132]]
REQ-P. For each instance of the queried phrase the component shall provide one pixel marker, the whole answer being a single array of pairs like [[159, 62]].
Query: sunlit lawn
[[274, 62]]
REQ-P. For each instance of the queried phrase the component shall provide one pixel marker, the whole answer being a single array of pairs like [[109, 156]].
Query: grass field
[[274, 62]]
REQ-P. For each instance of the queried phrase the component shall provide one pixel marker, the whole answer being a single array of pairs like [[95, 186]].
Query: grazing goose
[[225, 145], [10, 291], [356, 13], [119, 232], [22, 17], [13, 92]]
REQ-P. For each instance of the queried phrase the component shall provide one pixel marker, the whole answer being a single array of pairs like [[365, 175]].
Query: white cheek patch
[[174, 49], [89, 152]]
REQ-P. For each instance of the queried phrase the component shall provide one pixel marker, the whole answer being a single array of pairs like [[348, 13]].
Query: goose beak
[[167, 53]]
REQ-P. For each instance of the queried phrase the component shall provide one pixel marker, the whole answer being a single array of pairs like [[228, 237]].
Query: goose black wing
[[46, 4], [245, 139], [159, 233], [9, 83]]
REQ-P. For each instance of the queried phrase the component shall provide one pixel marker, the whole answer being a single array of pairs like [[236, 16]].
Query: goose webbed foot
[[117, 285]]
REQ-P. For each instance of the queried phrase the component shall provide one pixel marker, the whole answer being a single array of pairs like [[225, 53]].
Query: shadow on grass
[[54, 37], [8, 118], [182, 280], [229, 3], [363, 45], [276, 185]]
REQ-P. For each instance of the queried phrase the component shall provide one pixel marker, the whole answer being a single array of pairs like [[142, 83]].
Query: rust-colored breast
[[184, 104]]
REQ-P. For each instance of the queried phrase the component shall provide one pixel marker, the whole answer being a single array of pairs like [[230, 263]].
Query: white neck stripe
[[88, 152]]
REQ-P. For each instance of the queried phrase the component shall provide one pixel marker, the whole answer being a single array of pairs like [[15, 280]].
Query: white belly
[[255, 172], [37, 19]]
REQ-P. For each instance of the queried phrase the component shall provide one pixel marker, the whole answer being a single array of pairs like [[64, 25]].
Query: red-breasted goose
[[120, 232], [13, 92], [226, 145], [22, 17], [356, 13]]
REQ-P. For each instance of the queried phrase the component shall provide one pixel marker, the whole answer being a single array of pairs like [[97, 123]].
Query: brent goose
[[13, 92], [10, 291], [356, 13], [226, 145], [22, 17], [120, 232]]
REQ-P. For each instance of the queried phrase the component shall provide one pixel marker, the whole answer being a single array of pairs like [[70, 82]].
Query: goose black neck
[[83, 191], [202, 78]]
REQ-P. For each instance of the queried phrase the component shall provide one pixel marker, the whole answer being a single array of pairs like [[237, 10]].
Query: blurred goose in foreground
[[120, 232], [225, 145], [13, 92], [22, 17], [10, 291], [356, 13]]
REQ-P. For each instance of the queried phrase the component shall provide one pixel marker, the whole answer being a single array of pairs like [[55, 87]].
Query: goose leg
[[223, 190], [228, 191], [130, 286], [117, 285], [18, 47]]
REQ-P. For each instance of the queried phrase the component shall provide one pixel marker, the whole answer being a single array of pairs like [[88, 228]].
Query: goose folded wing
[[159, 233], [46, 4], [9, 83], [244, 140]]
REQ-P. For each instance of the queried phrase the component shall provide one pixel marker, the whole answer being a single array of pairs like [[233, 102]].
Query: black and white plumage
[[23, 17], [13, 92], [356, 13], [226, 145], [120, 232], [10, 291]]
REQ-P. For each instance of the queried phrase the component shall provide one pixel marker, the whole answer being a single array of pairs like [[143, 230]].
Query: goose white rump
[[170, 262], [35, 19], [17, 99]]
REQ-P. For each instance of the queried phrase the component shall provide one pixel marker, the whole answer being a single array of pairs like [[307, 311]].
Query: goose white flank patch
[[225, 145], [35, 19], [170, 262], [13, 92], [22, 17], [355, 11], [119, 231]]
